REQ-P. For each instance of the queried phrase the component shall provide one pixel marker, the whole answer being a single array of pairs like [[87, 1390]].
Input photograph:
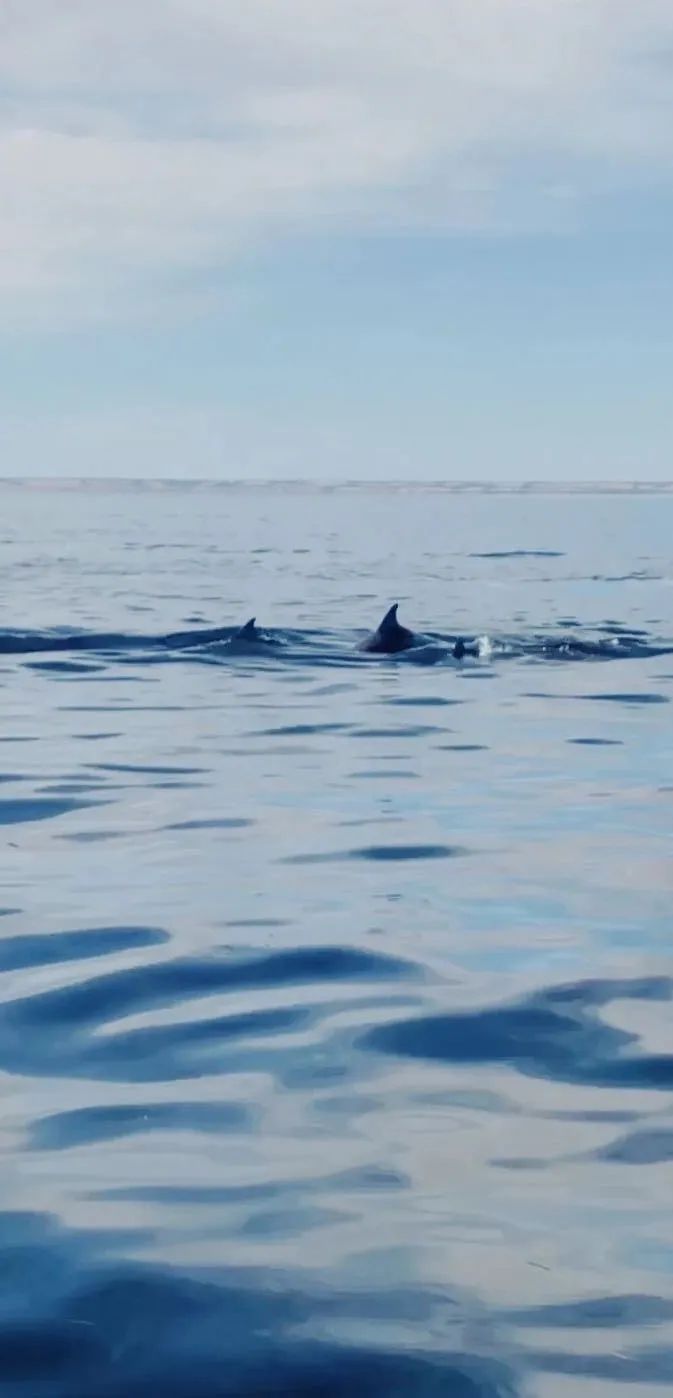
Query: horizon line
[[523, 485]]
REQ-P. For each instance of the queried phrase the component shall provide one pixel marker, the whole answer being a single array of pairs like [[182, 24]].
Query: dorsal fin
[[389, 636], [249, 631], [390, 621]]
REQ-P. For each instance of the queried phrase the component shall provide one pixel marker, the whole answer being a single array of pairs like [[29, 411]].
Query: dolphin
[[247, 635], [248, 632], [389, 636], [250, 635], [191, 640]]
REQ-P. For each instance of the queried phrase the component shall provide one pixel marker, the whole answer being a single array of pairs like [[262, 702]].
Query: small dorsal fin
[[249, 630]]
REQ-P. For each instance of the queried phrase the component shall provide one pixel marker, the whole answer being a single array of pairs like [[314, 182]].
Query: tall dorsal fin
[[389, 636], [390, 621], [249, 631]]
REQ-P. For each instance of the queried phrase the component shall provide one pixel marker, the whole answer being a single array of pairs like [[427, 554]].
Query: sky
[[370, 239]]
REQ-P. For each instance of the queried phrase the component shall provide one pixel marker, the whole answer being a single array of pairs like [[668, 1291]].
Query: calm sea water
[[336, 1032]]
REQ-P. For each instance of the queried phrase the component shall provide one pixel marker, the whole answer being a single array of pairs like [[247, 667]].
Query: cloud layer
[[143, 146]]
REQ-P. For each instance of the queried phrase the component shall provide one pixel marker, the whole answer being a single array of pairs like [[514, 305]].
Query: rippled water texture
[[336, 1031]]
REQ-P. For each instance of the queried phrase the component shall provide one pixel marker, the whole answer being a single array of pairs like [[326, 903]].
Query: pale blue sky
[[359, 239]]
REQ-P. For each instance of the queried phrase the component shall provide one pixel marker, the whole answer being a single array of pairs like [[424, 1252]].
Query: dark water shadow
[[21, 812], [380, 853], [55, 1031], [50, 948], [81, 1321], [555, 1033], [90, 1125]]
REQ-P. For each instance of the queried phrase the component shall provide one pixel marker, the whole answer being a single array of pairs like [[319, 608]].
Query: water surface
[[336, 1033]]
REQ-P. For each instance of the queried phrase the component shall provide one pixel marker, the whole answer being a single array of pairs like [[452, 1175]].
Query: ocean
[[336, 1031]]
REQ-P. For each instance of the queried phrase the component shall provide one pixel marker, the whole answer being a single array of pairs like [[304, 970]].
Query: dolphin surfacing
[[389, 636], [248, 632], [251, 636]]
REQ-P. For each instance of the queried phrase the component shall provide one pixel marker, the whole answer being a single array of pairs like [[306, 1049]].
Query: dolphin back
[[389, 636]]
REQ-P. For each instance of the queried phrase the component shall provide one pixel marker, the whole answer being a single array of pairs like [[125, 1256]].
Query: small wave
[[555, 1033], [520, 553], [20, 811], [58, 1030]]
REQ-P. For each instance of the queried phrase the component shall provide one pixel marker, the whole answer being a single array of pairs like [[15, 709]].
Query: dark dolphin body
[[26, 642], [192, 640], [389, 636]]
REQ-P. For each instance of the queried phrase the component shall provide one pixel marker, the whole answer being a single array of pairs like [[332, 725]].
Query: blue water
[[336, 1031]]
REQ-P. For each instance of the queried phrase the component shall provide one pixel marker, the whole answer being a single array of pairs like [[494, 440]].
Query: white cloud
[[140, 142]]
